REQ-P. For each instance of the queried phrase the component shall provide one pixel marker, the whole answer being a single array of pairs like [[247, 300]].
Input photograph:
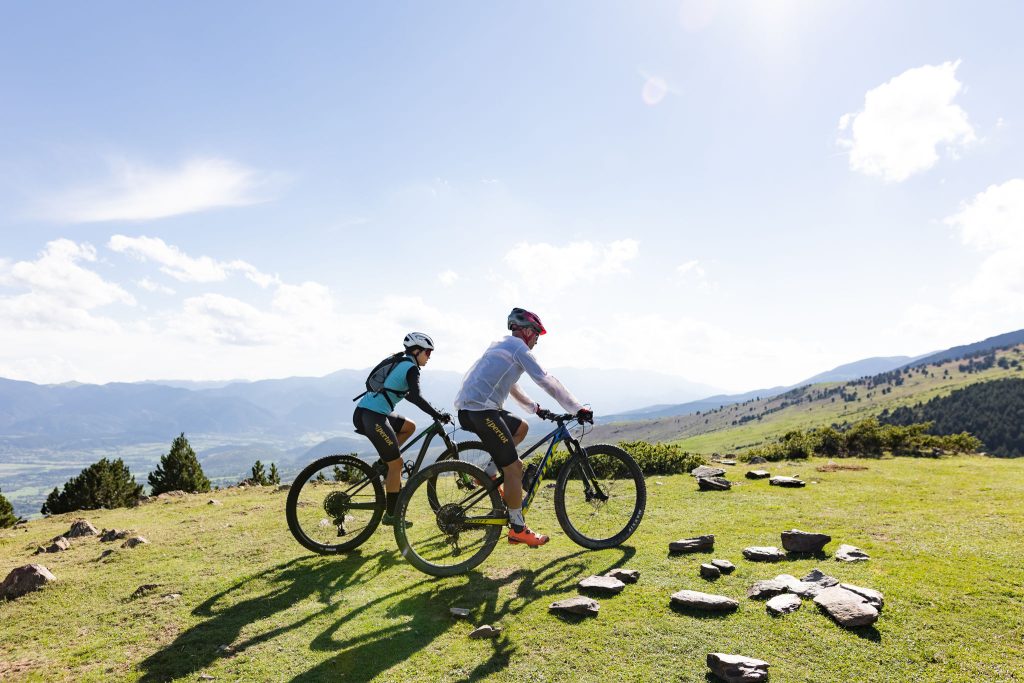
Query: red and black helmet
[[520, 317]]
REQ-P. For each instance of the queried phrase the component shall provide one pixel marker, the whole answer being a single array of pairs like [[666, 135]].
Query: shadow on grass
[[699, 613]]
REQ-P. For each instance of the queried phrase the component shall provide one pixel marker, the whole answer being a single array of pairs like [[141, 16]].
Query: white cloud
[[994, 218], [150, 286], [181, 266], [136, 192], [905, 121], [546, 267], [448, 278]]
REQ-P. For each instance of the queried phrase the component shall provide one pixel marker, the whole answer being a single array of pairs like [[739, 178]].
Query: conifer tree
[[179, 470], [259, 475], [275, 476], [7, 518], [104, 484]]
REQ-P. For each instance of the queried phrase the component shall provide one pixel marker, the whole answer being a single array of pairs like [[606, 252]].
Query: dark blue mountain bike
[[599, 498]]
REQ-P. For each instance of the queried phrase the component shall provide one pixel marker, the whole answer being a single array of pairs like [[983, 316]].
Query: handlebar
[[563, 418]]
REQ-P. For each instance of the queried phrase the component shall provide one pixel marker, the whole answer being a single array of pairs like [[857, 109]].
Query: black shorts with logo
[[495, 429], [382, 431]]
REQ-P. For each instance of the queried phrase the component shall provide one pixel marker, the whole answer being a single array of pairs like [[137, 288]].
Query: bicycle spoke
[[601, 497]]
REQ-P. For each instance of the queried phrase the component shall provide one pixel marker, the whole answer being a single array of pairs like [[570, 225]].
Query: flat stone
[[625, 575], [851, 553], [737, 669], [790, 482], [710, 571], [111, 535], [144, 588], [713, 484], [757, 460], [704, 601], [874, 598], [601, 584], [690, 545], [769, 588], [59, 545], [846, 607], [578, 605], [796, 541], [213, 501], [783, 604], [758, 474], [724, 566], [105, 554], [25, 579], [135, 541], [812, 584], [728, 463], [706, 471], [82, 527], [485, 631], [459, 612], [763, 553]]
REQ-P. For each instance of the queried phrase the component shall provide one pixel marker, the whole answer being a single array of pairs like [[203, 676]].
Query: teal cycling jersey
[[396, 385]]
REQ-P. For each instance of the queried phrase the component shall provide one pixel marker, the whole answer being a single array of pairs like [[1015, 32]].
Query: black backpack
[[375, 380]]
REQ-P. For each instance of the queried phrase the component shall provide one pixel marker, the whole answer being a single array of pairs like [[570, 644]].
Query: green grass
[[944, 537]]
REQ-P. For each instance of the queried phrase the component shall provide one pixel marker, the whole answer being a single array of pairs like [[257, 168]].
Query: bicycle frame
[[435, 429]]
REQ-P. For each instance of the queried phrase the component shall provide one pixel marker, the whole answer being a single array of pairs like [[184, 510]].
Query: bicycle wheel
[[446, 541], [467, 451], [600, 497], [335, 504]]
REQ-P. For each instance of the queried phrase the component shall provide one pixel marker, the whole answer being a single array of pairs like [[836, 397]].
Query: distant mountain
[[997, 342]]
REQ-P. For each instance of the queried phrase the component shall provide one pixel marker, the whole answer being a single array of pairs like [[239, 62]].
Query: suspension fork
[[591, 486]]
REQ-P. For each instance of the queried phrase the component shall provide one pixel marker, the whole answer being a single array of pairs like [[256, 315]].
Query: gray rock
[[757, 460], [135, 541], [710, 571], [796, 541], [724, 566], [737, 669], [874, 598], [81, 527], [790, 482], [763, 553], [111, 535], [59, 545], [704, 601], [769, 588], [25, 579], [690, 545], [706, 471], [758, 474], [713, 484], [601, 584], [486, 631], [459, 612], [851, 553], [728, 463], [226, 650], [144, 588], [577, 605], [213, 501], [105, 554], [846, 607], [783, 604], [818, 576], [625, 575]]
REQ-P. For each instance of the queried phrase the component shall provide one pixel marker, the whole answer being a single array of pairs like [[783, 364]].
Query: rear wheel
[[335, 504]]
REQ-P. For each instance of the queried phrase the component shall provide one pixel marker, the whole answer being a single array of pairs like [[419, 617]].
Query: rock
[[758, 474], [796, 541], [135, 541], [812, 584], [724, 566], [727, 462], [710, 571], [757, 460], [769, 588], [696, 600], [459, 612], [207, 677], [171, 597], [81, 527], [874, 598], [25, 579], [577, 605], [791, 482], [818, 576], [601, 584], [689, 545], [486, 631], [171, 494], [846, 607], [144, 588], [713, 484], [213, 501], [625, 575], [737, 669], [284, 487], [111, 535], [705, 471], [105, 554], [851, 553], [60, 544], [763, 553], [783, 604], [226, 650]]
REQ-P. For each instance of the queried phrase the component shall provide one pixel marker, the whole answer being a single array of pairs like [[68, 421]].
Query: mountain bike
[[337, 502], [599, 500]]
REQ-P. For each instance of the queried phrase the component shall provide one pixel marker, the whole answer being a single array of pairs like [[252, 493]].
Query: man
[[480, 409]]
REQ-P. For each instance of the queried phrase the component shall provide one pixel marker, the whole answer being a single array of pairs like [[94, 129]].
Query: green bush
[[179, 470], [105, 484], [653, 458], [7, 518]]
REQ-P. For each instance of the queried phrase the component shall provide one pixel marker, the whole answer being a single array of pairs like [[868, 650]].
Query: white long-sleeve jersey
[[492, 378]]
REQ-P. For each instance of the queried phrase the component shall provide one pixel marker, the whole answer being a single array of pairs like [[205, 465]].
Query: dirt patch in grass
[[836, 467]]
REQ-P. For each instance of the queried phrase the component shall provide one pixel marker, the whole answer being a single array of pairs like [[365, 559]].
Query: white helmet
[[418, 339]]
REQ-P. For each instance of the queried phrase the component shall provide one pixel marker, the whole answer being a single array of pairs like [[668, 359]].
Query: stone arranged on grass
[[724, 566], [763, 553], [25, 579], [59, 545], [111, 535], [695, 600], [737, 669], [783, 604], [706, 471], [846, 607], [691, 545], [485, 631], [790, 482], [812, 584], [710, 571], [874, 598], [768, 588], [578, 605], [82, 527], [851, 553], [104, 555], [601, 584], [135, 541], [144, 588], [459, 612], [728, 463], [758, 474], [713, 484], [625, 575], [757, 460], [213, 501], [796, 541]]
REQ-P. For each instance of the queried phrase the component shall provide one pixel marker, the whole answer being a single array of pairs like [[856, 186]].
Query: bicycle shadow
[[368, 655]]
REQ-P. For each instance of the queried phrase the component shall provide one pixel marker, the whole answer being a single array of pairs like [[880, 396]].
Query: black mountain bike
[[599, 499], [336, 502]]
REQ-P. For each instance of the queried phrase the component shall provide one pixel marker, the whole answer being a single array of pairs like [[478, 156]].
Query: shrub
[[653, 458], [7, 518], [105, 484], [179, 470]]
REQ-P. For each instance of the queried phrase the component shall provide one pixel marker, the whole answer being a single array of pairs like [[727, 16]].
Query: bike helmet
[[418, 339], [520, 317]]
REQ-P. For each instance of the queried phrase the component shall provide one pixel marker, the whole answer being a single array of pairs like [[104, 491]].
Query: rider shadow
[[289, 583], [364, 657]]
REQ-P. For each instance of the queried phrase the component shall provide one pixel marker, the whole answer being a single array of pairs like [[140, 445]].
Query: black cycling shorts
[[495, 429], [382, 431]]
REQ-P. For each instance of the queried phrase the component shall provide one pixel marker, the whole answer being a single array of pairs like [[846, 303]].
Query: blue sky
[[739, 193]]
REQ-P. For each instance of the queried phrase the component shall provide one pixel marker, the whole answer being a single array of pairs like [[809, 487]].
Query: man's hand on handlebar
[[585, 415], [544, 414], [444, 418]]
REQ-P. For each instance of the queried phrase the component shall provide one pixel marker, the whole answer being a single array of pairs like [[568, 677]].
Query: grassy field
[[944, 537]]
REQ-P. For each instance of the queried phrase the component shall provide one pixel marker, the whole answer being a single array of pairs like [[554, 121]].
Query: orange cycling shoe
[[526, 537]]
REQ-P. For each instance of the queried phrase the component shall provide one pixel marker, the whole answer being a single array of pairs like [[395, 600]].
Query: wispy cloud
[[544, 266], [693, 272], [448, 278], [179, 265]]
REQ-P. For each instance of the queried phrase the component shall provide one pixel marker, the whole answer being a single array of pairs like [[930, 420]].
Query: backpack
[[375, 380]]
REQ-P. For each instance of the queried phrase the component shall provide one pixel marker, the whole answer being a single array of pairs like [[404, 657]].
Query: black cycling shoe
[[391, 520]]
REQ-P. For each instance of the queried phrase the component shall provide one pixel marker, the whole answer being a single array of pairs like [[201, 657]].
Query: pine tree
[[259, 475], [275, 476], [179, 470], [104, 484], [7, 518]]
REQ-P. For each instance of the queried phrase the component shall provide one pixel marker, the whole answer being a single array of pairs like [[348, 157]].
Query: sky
[[741, 194]]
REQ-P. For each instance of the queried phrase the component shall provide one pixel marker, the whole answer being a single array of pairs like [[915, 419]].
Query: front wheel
[[600, 497]]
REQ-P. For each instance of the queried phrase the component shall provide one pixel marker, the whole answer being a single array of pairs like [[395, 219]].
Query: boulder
[[757, 460], [59, 545], [851, 553], [601, 584], [796, 541], [737, 669], [625, 575], [706, 471], [724, 566], [690, 545], [763, 553], [695, 600], [769, 588], [82, 527], [783, 604], [713, 484], [578, 605], [135, 541], [486, 631], [874, 598], [846, 607], [790, 482], [758, 474], [710, 571], [111, 535], [25, 579]]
